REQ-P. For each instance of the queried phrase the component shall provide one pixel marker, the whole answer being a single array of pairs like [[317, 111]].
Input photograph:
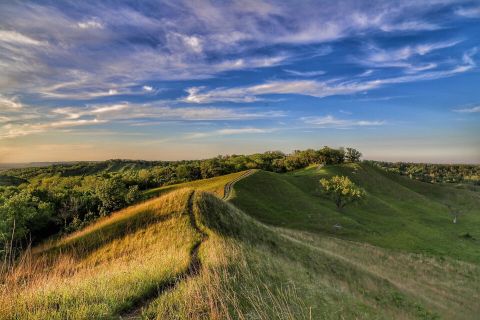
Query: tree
[[111, 193], [352, 155], [342, 190], [328, 155], [133, 194]]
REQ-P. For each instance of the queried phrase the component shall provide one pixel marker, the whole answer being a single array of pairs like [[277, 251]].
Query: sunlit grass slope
[[106, 268], [397, 213], [247, 269], [214, 185]]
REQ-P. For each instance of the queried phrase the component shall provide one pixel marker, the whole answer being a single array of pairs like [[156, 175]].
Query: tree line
[[434, 173]]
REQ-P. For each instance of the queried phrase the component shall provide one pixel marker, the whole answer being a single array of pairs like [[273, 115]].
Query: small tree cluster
[[352, 155], [342, 190]]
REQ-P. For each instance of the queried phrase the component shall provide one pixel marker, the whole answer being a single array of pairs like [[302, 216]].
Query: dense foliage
[[342, 190], [42, 201], [434, 173]]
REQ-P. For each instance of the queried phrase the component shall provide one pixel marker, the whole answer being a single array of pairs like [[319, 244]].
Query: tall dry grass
[[104, 269]]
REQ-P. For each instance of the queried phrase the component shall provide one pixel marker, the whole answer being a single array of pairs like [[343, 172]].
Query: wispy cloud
[[90, 24], [319, 89], [330, 121], [125, 113], [11, 130], [9, 103], [415, 25], [14, 37], [228, 132], [305, 73], [101, 48], [473, 109], [469, 12], [400, 57]]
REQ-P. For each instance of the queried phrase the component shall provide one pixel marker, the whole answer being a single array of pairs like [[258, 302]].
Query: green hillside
[[397, 212], [269, 253]]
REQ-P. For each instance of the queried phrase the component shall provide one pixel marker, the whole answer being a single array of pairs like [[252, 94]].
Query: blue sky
[[93, 80]]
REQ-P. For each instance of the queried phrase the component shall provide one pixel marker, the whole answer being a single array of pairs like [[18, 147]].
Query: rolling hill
[[270, 252]]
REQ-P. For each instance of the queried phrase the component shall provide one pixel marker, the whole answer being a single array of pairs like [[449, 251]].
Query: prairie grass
[[215, 185], [106, 268], [248, 269]]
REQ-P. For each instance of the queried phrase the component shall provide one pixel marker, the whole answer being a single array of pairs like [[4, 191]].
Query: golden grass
[[111, 272], [214, 185]]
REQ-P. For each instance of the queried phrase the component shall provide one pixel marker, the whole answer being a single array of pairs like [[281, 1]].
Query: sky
[[168, 80]]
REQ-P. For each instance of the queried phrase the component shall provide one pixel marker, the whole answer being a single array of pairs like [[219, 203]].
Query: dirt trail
[[229, 186], [193, 270]]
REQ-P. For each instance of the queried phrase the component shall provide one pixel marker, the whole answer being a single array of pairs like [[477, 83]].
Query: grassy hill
[[398, 213], [189, 255]]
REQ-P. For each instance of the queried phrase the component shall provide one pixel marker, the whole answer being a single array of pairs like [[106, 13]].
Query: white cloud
[[110, 108], [320, 89], [90, 24], [473, 12], [399, 57], [305, 73], [147, 88], [17, 38], [194, 43], [332, 122], [410, 26], [17, 130], [366, 73], [39, 121], [228, 132], [474, 109], [9, 103]]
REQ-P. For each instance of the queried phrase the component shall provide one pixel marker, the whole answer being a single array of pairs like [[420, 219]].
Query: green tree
[[111, 193], [342, 190], [133, 194], [352, 155]]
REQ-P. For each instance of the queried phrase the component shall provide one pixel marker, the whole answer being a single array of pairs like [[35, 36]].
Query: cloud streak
[[474, 109], [125, 113], [330, 121], [9, 103], [319, 89], [228, 132]]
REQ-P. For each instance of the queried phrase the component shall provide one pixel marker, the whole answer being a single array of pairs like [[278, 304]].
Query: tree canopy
[[342, 190]]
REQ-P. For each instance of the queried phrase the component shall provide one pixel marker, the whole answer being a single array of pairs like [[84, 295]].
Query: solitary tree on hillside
[[342, 190], [352, 155]]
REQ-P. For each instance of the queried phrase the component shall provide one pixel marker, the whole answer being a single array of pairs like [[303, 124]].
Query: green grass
[[397, 213], [277, 258]]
